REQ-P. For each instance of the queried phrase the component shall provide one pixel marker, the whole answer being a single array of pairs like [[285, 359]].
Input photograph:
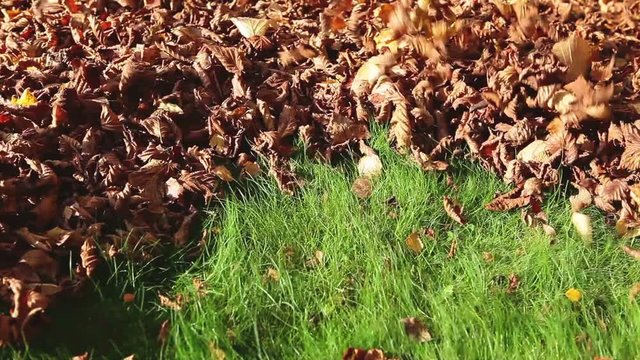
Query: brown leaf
[[84, 356], [363, 354], [488, 256], [163, 334], [415, 329], [504, 202], [90, 256], [400, 125], [634, 291], [316, 260], [581, 200], [574, 52], [414, 243], [634, 253], [514, 283], [271, 275], [362, 187], [454, 210], [40, 261], [169, 303], [453, 249], [229, 57], [250, 27]]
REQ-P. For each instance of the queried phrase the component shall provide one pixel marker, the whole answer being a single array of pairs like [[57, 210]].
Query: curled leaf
[[454, 210]]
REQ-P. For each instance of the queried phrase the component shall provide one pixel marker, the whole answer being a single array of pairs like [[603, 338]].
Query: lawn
[[309, 275]]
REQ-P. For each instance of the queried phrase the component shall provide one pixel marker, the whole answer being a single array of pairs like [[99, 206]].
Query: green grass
[[370, 279]]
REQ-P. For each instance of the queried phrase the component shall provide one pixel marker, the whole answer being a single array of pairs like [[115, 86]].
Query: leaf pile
[[120, 118]]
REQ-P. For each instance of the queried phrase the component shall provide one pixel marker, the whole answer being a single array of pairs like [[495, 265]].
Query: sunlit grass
[[369, 279]]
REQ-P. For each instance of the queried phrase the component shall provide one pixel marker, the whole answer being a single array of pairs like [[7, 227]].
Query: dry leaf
[[272, 275], [163, 334], [575, 52], [416, 330], [84, 356], [25, 100], [316, 260], [582, 224], [250, 27], [369, 165], [634, 253], [453, 209], [362, 187], [414, 243], [453, 249], [487, 256], [169, 303], [634, 291]]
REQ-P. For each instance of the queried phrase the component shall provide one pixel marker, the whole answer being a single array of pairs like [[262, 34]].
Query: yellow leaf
[[386, 38], [575, 52], [414, 243], [573, 294], [582, 223], [172, 108], [223, 173], [250, 27], [25, 100]]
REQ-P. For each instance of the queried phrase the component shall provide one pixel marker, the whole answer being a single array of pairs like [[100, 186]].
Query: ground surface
[[368, 279]]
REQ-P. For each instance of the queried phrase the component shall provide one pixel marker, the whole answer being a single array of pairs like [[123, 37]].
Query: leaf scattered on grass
[[416, 330], [582, 224], [634, 253], [454, 210], [414, 243], [362, 187], [163, 333], [634, 291], [169, 303], [271, 275]]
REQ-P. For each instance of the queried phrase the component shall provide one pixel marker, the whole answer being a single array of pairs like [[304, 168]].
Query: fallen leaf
[[416, 330], [272, 275], [364, 354], [369, 165], [582, 224], [514, 283], [574, 295], [362, 187], [250, 27], [26, 99], [169, 303], [90, 256], [487, 256], [453, 249], [634, 291], [216, 352], [163, 334], [316, 260], [634, 253], [414, 243], [454, 210], [575, 52], [84, 356]]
